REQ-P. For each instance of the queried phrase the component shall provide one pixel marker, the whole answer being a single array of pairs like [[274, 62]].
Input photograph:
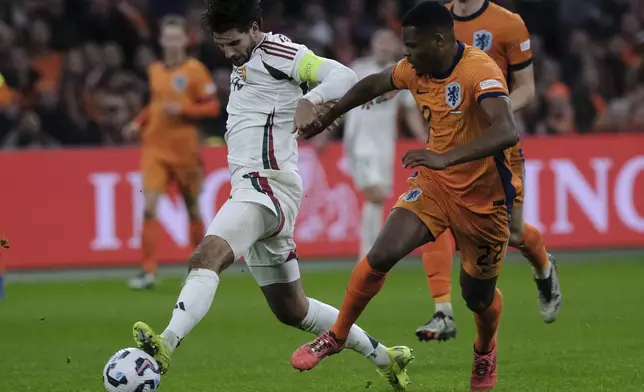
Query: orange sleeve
[[519, 54], [403, 75], [486, 80], [204, 102]]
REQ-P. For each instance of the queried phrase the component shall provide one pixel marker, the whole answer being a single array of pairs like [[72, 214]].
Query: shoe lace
[[321, 343], [483, 365], [438, 321]]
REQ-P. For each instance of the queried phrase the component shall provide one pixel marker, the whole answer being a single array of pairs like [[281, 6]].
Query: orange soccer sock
[[487, 325], [149, 245], [534, 249], [437, 259], [196, 232], [364, 284]]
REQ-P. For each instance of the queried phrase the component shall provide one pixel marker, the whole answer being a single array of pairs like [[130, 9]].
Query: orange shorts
[[158, 174], [517, 166], [481, 238]]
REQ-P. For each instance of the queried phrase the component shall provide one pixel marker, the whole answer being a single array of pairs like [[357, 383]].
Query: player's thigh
[[189, 179], [240, 225], [517, 225], [154, 172], [444, 242], [482, 240], [415, 220], [517, 166]]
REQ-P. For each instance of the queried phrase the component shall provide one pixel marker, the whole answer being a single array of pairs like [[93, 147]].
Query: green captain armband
[[1, 80], [309, 66]]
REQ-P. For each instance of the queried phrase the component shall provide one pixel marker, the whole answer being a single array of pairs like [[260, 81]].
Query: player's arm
[[413, 118], [521, 70], [501, 134], [205, 102], [331, 79]]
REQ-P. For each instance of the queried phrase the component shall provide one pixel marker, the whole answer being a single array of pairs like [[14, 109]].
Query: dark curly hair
[[225, 15]]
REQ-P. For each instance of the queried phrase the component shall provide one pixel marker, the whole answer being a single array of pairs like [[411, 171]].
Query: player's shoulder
[[503, 14], [476, 63], [473, 57], [156, 66], [194, 64], [279, 47]]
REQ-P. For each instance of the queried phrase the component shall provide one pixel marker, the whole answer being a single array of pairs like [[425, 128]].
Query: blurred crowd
[[75, 70]]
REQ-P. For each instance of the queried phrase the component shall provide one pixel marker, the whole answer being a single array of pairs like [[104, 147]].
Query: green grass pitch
[[56, 337]]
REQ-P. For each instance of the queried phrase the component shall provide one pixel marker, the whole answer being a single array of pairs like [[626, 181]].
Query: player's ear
[[254, 29]]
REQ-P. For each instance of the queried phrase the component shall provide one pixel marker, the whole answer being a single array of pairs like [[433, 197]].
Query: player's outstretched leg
[[365, 282], [437, 260], [149, 236], [283, 291], [486, 302], [235, 228], [529, 240]]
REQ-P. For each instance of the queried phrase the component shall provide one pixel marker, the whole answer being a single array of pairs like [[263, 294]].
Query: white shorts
[[258, 220], [369, 170]]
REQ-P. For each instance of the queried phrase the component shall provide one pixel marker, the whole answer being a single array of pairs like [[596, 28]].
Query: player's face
[[173, 38], [423, 51], [236, 45]]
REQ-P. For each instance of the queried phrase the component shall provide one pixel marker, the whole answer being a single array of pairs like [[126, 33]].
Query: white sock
[[371, 223], [320, 318], [545, 274], [445, 307], [193, 304]]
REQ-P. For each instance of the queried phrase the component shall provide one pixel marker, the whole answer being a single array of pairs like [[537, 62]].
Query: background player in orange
[[182, 91], [504, 37], [464, 183]]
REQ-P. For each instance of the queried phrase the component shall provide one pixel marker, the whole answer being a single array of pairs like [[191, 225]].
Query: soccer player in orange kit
[[464, 182], [181, 92], [504, 37]]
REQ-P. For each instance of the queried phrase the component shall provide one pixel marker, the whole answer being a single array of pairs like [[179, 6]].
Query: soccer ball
[[131, 370]]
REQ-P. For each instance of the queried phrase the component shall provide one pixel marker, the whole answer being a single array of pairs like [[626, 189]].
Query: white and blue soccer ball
[[131, 370]]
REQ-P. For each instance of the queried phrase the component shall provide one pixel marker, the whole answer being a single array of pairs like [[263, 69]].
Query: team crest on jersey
[[412, 196], [453, 95], [483, 40], [242, 72], [179, 82]]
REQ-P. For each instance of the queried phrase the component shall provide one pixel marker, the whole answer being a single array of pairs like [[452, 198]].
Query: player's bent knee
[[287, 301], [478, 293], [212, 253], [477, 300], [516, 238]]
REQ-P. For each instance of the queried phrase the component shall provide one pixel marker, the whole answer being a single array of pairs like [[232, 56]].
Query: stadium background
[[70, 199]]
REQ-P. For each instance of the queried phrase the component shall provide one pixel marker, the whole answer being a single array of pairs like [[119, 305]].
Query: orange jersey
[[451, 105], [498, 32], [190, 86]]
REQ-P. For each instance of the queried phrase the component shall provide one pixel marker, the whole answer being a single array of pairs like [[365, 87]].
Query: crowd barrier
[[83, 208]]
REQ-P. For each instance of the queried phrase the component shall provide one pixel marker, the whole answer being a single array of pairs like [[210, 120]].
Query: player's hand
[[305, 119], [172, 109], [424, 158], [308, 127], [132, 130]]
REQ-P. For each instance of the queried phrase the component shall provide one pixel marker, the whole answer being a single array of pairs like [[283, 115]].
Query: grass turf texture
[[57, 336]]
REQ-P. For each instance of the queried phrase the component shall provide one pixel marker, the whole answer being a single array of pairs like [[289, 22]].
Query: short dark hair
[[429, 15], [225, 15]]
